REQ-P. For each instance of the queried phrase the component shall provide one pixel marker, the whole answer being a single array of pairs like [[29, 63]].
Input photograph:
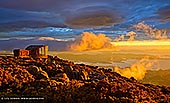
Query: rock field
[[61, 81]]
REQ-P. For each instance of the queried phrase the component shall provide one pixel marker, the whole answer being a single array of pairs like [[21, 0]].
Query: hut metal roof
[[33, 47]]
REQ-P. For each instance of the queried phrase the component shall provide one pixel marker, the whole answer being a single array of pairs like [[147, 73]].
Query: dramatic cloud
[[130, 37], [33, 5], [90, 41], [12, 15], [137, 70], [151, 31], [94, 15], [87, 13], [96, 19]]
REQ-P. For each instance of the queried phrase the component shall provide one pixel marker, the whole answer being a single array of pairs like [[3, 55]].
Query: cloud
[[31, 5], [131, 36], [13, 15], [76, 13], [91, 41], [92, 21], [50, 5], [91, 13], [136, 70], [93, 16], [164, 14], [151, 31]]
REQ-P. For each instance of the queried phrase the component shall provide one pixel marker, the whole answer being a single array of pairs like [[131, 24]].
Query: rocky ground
[[58, 80]]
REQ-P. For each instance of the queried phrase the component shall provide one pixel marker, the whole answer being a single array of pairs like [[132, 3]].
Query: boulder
[[42, 75], [68, 70], [84, 75], [33, 70], [65, 77], [62, 77], [76, 75]]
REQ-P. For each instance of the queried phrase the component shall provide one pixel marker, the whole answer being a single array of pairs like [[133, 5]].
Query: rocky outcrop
[[60, 81], [42, 75], [33, 70]]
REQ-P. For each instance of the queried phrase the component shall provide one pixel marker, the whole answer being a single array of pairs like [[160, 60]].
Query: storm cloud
[[85, 13]]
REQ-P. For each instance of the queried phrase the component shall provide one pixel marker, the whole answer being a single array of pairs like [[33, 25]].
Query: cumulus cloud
[[136, 70], [151, 31], [131, 36], [91, 41]]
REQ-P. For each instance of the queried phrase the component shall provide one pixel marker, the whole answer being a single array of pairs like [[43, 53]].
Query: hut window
[[41, 51]]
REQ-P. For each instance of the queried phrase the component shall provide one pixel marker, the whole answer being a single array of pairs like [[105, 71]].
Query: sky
[[110, 17], [86, 13]]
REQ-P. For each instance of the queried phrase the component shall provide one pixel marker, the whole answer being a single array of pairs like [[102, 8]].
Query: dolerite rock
[[73, 83], [65, 78], [84, 75], [33, 70], [61, 77], [53, 83], [76, 75], [68, 70], [42, 75]]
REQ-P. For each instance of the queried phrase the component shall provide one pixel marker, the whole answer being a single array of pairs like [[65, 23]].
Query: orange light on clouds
[[143, 43]]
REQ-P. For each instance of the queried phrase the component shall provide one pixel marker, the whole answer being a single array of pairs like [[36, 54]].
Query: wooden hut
[[34, 51], [21, 53], [38, 51]]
